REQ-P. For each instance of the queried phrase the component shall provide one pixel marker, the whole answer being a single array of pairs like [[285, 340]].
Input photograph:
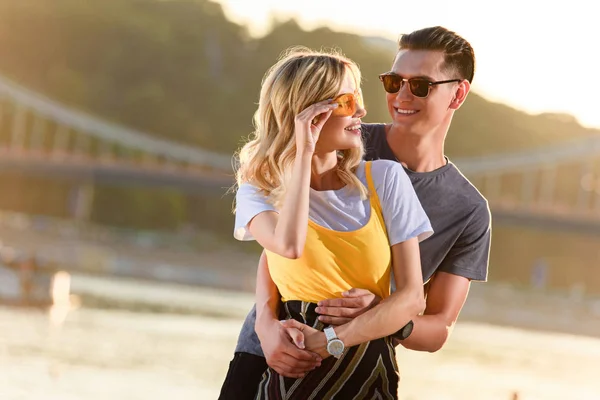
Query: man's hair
[[458, 53]]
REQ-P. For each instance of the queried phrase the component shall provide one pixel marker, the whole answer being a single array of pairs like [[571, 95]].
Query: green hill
[[180, 69]]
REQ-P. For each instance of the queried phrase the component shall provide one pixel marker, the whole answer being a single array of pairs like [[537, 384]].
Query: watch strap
[[404, 332], [329, 333]]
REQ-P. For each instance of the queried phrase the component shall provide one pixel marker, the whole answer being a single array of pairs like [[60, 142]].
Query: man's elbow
[[429, 345], [438, 344]]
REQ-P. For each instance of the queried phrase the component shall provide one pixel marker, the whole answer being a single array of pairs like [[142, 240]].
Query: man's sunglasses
[[419, 87]]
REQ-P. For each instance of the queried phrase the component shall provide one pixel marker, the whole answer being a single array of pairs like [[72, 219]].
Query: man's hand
[[283, 346], [342, 310]]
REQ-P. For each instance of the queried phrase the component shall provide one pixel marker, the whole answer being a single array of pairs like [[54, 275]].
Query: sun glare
[[523, 48]]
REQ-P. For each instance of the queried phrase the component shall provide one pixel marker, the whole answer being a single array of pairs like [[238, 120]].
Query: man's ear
[[460, 95]]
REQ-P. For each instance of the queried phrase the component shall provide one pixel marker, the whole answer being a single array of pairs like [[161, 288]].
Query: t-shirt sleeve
[[248, 341], [402, 211], [469, 257], [249, 203]]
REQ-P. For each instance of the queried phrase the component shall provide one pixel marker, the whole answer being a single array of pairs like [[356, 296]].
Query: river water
[[179, 340]]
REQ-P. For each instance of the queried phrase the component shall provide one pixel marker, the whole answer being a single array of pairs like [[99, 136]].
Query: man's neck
[[417, 153]]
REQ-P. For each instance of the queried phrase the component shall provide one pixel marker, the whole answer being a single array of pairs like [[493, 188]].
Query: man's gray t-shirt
[[458, 213]]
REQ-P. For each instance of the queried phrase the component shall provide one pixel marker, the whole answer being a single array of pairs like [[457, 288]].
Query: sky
[[537, 56]]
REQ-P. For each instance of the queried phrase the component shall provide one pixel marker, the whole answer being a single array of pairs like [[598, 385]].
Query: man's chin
[[407, 127]]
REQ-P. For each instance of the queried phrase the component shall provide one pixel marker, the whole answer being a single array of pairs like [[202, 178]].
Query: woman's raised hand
[[308, 125]]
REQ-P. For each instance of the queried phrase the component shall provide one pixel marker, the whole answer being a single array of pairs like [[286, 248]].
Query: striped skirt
[[366, 371]]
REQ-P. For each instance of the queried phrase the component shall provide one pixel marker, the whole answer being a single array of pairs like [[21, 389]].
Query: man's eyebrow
[[426, 77]]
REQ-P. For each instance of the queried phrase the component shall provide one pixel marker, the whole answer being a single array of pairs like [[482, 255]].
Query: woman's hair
[[300, 78]]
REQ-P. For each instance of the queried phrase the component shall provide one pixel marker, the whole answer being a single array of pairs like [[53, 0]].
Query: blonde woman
[[328, 222]]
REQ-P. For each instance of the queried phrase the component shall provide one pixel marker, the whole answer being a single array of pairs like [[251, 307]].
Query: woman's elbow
[[293, 252], [287, 247]]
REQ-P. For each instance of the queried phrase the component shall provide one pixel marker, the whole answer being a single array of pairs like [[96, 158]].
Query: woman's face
[[343, 132]]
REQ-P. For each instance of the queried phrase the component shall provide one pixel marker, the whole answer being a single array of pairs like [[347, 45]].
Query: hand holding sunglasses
[[347, 104], [419, 87], [309, 122]]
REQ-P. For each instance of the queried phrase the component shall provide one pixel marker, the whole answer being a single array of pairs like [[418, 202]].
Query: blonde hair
[[300, 78]]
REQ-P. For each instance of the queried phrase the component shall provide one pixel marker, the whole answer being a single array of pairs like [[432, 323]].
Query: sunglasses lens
[[391, 83], [346, 105], [359, 100], [419, 87]]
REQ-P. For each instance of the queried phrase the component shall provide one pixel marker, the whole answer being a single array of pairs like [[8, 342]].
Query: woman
[[324, 217]]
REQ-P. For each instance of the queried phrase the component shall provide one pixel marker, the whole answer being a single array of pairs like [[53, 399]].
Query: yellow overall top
[[335, 261]]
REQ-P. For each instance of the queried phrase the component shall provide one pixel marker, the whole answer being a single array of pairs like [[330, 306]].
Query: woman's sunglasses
[[347, 104], [419, 87]]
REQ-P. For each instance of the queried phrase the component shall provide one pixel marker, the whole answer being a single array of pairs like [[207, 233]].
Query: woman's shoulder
[[246, 188], [248, 192], [384, 170], [380, 164]]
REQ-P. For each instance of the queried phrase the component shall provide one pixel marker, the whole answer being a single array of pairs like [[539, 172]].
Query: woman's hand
[[314, 340], [308, 125], [283, 347]]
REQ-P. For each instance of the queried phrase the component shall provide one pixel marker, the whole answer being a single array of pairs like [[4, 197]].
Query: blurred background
[[119, 275]]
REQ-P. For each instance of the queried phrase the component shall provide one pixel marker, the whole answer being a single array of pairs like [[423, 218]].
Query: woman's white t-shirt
[[344, 210]]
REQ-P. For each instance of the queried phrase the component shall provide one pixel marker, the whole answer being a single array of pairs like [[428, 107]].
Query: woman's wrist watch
[[335, 346]]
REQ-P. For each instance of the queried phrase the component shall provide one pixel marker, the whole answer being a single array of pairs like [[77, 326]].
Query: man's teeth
[[406, 111], [353, 127]]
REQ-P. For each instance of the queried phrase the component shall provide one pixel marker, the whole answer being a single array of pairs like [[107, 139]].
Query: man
[[429, 80]]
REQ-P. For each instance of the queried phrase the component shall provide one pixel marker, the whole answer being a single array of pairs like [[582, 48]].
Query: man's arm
[[282, 346], [446, 292], [448, 289], [446, 296]]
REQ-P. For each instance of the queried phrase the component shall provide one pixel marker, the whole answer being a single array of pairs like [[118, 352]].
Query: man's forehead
[[418, 63]]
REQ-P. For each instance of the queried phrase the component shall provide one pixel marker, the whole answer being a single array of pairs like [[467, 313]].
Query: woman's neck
[[324, 172]]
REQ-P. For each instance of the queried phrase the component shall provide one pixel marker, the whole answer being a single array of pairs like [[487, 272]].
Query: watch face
[[335, 347], [407, 330]]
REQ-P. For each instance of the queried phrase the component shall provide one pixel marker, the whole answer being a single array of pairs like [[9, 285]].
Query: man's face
[[422, 115]]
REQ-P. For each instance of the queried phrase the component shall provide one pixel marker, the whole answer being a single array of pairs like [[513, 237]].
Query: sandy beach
[[183, 351]]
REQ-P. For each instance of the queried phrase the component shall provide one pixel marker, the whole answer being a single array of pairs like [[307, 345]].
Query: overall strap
[[375, 204]]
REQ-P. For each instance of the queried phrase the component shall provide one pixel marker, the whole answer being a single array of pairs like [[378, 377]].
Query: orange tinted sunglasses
[[347, 104]]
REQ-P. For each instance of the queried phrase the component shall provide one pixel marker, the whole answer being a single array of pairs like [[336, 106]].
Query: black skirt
[[366, 371]]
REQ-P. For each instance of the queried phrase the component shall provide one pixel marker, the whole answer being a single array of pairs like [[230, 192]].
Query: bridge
[[554, 187], [46, 137]]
